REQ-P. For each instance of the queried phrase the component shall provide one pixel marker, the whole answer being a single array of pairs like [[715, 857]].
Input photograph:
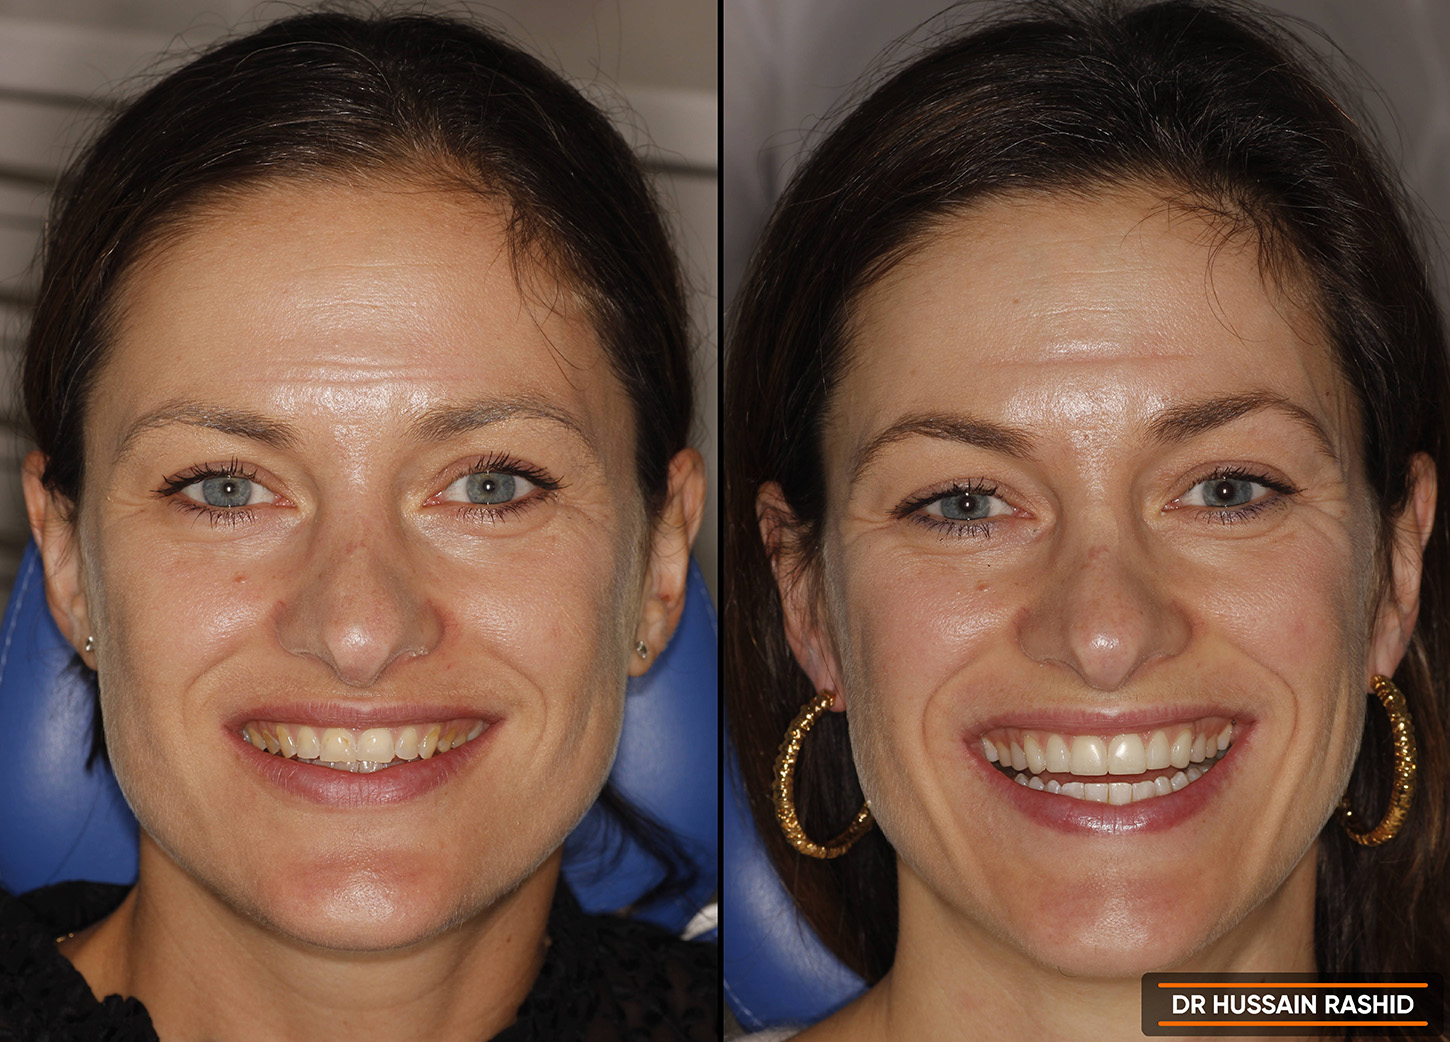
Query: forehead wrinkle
[[241, 423], [985, 434]]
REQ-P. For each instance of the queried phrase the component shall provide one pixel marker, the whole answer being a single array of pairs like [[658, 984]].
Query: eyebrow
[[440, 423], [1176, 424]]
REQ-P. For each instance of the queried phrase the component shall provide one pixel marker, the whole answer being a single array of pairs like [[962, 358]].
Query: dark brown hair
[[411, 99], [1205, 102], [329, 95]]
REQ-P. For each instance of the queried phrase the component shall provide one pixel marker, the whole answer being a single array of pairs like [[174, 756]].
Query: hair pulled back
[[329, 95], [1216, 107]]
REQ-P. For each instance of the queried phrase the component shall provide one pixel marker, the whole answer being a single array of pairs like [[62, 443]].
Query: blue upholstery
[[60, 821], [776, 970]]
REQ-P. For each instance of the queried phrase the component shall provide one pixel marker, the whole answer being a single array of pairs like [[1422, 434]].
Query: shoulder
[[647, 977], [41, 993]]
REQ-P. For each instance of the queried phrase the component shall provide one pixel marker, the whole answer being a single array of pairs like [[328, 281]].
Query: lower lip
[[1077, 817], [330, 787]]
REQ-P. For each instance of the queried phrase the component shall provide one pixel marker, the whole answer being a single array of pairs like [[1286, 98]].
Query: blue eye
[[967, 506], [1222, 493], [227, 492], [489, 488]]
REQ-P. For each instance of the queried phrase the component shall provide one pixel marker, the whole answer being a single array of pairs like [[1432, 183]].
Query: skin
[[1105, 582], [358, 578]]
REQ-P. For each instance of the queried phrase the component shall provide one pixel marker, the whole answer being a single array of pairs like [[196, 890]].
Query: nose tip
[[358, 611], [1104, 616]]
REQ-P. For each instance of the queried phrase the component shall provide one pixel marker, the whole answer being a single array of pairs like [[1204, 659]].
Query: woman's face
[[346, 480], [1095, 498]]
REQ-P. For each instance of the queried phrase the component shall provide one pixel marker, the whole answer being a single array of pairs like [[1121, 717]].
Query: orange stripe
[[1293, 1023], [1270, 986]]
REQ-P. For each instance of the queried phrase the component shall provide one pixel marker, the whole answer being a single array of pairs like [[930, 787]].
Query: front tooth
[[1019, 758], [1119, 793], [375, 745], [1156, 757], [1196, 751], [406, 747], [1095, 792], [284, 739], [1072, 788], [1178, 781], [308, 747], [337, 746], [1225, 737], [1059, 760], [1089, 756], [1179, 755], [1143, 790], [988, 749], [429, 743], [1036, 761], [1126, 755]]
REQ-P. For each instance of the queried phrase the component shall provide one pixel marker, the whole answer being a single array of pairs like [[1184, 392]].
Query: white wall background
[[651, 63]]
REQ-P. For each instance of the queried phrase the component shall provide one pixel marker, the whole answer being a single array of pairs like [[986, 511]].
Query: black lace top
[[604, 979]]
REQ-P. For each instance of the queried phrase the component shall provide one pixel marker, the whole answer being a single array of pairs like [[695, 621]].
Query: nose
[[360, 603], [1105, 610]]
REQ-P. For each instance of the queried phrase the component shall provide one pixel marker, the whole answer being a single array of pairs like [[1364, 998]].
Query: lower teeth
[[353, 766]]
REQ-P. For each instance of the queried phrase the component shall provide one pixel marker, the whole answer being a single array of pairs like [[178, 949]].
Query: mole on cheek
[[239, 578]]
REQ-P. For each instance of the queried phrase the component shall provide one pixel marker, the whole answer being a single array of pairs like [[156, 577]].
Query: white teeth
[[1225, 737], [1156, 755], [1196, 751], [1004, 754], [1178, 781], [1179, 755], [1089, 756], [1036, 783], [1194, 774], [1036, 760], [1059, 760], [1072, 789], [1126, 755], [988, 749], [1143, 789], [406, 747], [1019, 758], [1161, 784], [284, 739], [1054, 786], [1095, 792], [477, 729], [375, 745], [1119, 793], [1116, 793], [1021, 779], [366, 751]]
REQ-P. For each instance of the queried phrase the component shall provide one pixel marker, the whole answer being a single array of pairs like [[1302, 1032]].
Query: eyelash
[[544, 484], [946, 527], [500, 463], [172, 486], [1234, 515]]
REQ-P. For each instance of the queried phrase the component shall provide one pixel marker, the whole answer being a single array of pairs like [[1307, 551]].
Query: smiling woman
[[1087, 399], [359, 378]]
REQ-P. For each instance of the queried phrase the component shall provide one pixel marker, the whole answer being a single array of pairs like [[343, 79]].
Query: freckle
[[239, 578]]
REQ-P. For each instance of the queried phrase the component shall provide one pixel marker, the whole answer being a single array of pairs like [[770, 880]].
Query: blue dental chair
[[60, 820]]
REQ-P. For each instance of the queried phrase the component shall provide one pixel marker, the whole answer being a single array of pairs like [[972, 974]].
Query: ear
[[799, 597], [669, 565], [1400, 604], [52, 525]]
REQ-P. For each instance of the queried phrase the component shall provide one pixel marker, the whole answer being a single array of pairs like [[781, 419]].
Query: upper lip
[[1074, 720], [360, 717]]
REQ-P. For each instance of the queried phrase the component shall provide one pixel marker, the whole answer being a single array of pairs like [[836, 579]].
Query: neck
[[204, 971], [954, 980]]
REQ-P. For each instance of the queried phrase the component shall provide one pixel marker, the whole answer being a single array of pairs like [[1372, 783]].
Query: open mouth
[[361, 751], [1132, 766]]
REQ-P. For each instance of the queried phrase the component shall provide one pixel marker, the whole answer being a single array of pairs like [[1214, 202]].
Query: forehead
[[359, 305], [1080, 314]]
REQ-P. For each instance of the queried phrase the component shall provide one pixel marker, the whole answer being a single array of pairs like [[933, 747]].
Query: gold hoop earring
[[1402, 737], [785, 788]]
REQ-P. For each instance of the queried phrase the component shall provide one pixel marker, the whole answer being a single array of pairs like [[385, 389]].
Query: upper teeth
[[1091, 755], [363, 751]]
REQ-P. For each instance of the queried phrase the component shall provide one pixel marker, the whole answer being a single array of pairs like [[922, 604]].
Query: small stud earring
[[90, 643], [641, 649]]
